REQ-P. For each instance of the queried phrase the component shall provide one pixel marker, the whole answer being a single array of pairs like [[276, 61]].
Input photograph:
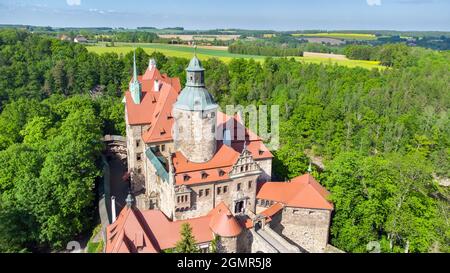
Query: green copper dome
[[195, 97]]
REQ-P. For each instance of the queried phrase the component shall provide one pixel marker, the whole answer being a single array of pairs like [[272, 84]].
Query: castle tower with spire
[[135, 86], [195, 114], [179, 171]]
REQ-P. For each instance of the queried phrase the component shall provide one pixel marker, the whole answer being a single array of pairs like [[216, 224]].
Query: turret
[[195, 114], [135, 85]]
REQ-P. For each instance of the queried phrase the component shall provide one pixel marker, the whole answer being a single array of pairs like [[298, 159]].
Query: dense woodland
[[281, 45], [382, 135]]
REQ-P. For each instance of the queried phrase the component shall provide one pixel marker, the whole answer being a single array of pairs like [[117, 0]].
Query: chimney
[[156, 86], [113, 209]]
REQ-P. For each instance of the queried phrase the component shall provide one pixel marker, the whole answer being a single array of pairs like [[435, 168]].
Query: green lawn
[[343, 36], [206, 53]]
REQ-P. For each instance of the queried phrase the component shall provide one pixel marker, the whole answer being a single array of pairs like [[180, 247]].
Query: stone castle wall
[[136, 152], [204, 204], [194, 134], [266, 168], [306, 228], [228, 245]]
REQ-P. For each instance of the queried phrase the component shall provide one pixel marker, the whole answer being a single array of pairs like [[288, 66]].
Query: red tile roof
[[223, 160], [303, 192], [144, 112], [272, 210], [129, 234], [152, 231], [162, 121], [223, 222]]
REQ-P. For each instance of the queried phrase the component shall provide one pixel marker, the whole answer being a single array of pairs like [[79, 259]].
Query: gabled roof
[[144, 112], [129, 234], [224, 158], [161, 120], [151, 231], [302, 192]]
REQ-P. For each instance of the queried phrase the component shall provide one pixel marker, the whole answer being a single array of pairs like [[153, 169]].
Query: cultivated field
[[182, 51], [343, 36], [188, 37], [221, 53]]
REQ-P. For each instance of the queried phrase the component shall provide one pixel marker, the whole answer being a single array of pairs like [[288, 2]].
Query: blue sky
[[250, 14]]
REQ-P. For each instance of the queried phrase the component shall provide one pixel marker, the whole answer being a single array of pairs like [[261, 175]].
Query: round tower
[[195, 114]]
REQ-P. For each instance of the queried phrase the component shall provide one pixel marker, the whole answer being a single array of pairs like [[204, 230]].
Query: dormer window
[[186, 177], [221, 173], [260, 152], [204, 175]]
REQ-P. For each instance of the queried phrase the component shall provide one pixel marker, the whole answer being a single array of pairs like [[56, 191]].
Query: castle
[[187, 164]]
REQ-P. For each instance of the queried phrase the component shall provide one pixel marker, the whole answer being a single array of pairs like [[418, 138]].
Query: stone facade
[[204, 197], [266, 168], [136, 155], [306, 228], [154, 183], [227, 245], [195, 134]]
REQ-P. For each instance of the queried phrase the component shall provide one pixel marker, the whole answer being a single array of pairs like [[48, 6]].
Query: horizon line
[[205, 29]]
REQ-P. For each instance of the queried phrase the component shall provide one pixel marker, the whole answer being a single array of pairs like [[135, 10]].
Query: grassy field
[[220, 53], [189, 37], [343, 36]]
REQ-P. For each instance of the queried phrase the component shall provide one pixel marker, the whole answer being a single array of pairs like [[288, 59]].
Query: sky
[[244, 14]]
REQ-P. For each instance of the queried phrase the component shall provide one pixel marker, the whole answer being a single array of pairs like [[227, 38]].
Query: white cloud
[[73, 2], [374, 2]]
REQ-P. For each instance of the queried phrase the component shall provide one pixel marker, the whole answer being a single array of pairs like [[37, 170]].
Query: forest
[[383, 137]]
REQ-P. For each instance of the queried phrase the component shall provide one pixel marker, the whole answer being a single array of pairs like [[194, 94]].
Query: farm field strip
[[206, 53], [344, 36]]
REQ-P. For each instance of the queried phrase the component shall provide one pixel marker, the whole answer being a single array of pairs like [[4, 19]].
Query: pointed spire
[[134, 67], [195, 50], [135, 86], [310, 167]]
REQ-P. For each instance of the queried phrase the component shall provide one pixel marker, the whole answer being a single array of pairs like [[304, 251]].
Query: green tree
[[187, 243]]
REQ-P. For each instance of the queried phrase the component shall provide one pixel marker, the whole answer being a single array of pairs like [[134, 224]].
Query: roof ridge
[[160, 106]]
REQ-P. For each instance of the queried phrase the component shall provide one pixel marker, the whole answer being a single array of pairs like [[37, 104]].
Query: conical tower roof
[[195, 97]]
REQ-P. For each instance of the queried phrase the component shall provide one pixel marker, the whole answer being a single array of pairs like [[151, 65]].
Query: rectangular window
[[225, 189], [238, 186], [138, 142], [163, 148], [138, 156], [139, 170], [206, 192], [200, 193], [249, 184], [178, 199], [218, 190]]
